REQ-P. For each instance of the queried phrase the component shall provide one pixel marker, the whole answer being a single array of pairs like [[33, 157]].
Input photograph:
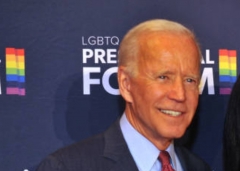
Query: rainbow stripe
[[15, 71], [227, 70]]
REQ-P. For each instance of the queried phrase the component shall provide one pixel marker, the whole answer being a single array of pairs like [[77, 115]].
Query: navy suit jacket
[[108, 152]]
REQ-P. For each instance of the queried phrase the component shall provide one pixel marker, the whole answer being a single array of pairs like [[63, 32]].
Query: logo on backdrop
[[227, 72], [15, 72], [96, 58]]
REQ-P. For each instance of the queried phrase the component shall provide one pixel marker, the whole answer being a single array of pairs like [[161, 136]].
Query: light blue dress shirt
[[144, 153]]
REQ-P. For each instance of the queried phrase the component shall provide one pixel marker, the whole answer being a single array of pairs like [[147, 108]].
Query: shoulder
[[73, 157], [191, 161], [91, 145], [99, 152]]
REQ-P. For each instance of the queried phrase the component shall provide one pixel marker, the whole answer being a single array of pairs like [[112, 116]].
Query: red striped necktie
[[164, 158]]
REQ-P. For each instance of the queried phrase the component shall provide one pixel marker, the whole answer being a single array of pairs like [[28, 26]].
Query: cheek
[[195, 101], [144, 90], [157, 90], [192, 97], [140, 96]]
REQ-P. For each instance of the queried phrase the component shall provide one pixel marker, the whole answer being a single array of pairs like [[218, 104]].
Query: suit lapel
[[183, 158], [124, 164], [189, 161], [116, 149]]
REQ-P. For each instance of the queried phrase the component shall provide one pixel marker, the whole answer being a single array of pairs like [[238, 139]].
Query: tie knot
[[164, 157]]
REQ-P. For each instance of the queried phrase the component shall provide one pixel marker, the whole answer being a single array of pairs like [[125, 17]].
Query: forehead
[[167, 48], [150, 43], [157, 39]]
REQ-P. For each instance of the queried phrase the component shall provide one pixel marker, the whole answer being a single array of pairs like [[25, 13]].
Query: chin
[[178, 134]]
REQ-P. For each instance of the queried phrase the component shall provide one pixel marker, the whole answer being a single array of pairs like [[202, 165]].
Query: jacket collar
[[116, 149]]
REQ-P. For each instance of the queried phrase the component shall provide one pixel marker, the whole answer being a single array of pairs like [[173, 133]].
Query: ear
[[124, 83]]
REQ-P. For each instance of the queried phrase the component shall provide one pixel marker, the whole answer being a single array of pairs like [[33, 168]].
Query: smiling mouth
[[171, 112]]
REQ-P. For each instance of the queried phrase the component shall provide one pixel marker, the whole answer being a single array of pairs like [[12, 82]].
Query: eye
[[162, 77], [190, 80]]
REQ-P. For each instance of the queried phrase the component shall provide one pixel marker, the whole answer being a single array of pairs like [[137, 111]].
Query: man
[[158, 76]]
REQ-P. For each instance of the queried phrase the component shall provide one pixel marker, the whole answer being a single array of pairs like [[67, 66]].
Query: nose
[[177, 91]]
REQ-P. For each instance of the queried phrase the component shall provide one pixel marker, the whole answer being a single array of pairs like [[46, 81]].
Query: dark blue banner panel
[[58, 64]]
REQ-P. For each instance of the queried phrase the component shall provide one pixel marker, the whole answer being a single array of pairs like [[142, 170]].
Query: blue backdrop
[[70, 71]]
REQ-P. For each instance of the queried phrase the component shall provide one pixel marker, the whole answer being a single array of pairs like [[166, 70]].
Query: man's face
[[164, 93]]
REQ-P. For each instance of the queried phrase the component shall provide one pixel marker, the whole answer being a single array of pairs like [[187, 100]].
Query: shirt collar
[[144, 153], [172, 154]]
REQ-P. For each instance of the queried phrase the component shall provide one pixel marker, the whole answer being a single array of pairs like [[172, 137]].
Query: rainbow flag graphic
[[227, 70], [15, 72]]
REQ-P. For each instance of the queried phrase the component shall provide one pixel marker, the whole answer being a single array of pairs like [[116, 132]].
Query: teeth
[[170, 112]]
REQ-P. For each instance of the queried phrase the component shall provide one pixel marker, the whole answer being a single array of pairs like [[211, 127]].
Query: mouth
[[171, 112]]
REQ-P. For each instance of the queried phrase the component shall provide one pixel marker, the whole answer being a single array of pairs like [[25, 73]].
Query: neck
[[160, 142]]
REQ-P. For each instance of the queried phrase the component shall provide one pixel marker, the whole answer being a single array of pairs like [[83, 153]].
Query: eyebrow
[[167, 72]]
